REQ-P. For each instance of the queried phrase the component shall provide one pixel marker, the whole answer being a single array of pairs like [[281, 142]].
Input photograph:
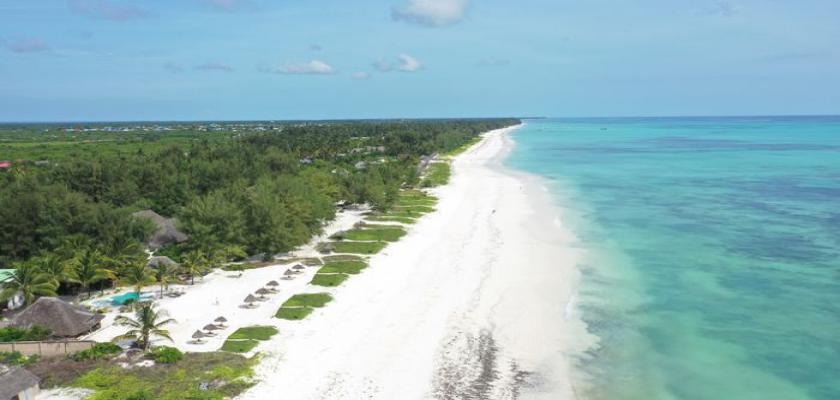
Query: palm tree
[[136, 274], [29, 282], [88, 267], [163, 274], [194, 263], [147, 322], [55, 267], [222, 254]]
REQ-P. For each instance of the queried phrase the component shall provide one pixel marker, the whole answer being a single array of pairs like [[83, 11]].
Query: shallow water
[[713, 251]]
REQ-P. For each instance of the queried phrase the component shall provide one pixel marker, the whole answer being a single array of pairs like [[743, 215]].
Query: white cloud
[[361, 76], [314, 67], [432, 13], [404, 63]]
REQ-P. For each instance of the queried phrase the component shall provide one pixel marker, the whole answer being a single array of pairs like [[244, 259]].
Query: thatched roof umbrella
[[299, 267], [272, 286], [289, 272], [210, 328], [220, 321], [250, 299], [262, 292], [197, 336]]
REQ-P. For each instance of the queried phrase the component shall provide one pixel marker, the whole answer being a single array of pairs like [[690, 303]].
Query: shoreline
[[477, 301]]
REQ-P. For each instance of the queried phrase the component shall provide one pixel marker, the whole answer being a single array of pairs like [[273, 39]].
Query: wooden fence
[[46, 348]]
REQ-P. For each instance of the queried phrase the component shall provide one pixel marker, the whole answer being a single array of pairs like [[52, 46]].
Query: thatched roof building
[[60, 317], [166, 233], [157, 261], [16, 382]]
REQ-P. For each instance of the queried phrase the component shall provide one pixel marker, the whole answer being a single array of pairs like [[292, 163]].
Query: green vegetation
[[328, 280], [414, 209], [389, 234], [97, 352], [228, 374], [301, 305], [308, 300], [66, 203], [359, 247], [343, 267], [464, 147], [16, 358], [293, 314], [343, 257], [166, 355], [437, 174], [35, 333], [245, 339], [384, 218], [239, 346], [147, 323], [311, 262], [254, 332]]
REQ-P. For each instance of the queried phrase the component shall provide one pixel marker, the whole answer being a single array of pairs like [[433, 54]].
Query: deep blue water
[[713, 251]]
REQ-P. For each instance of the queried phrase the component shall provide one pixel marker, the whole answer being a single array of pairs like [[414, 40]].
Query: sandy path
[[474, 303]]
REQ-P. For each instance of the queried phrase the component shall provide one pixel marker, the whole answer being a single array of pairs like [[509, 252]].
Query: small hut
[[165, 232], [63, 319], [159, 261], [17, 383]]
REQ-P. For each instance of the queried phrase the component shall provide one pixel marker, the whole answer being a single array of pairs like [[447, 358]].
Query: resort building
[[17, 383], [63, 319]]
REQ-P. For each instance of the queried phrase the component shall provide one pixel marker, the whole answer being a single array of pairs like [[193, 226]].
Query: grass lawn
[[293, 314], [254, 332], [359, 247], [384, 218], [230, 374], [437, 174], [391, 234], [311, 262], [418, 209], [343, 267], [240, 346], [308, 300], [404, 213], [344, 257], [328, 280], [408, 202]]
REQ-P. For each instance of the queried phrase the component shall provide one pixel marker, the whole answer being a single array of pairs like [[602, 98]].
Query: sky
[[116, 60]]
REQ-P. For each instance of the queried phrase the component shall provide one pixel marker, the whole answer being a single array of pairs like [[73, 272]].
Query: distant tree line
[[257, 192]]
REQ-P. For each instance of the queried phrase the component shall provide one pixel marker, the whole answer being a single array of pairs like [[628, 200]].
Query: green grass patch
[[417, 209], [311, 262], [408, 213], [308, 300], [343, 267], [240, 346], [359, 247], [328, 280], [437, 174], [413, 194], [390, 234], [464, 147], [254, 332], [346, 257], [229, 373], [408, 202], [293, 314], [383, 218]]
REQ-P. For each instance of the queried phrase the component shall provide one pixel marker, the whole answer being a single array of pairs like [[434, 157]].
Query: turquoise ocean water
[[713, 251]]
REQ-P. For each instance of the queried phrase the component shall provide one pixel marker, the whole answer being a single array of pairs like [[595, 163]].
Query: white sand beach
[[474, 303]]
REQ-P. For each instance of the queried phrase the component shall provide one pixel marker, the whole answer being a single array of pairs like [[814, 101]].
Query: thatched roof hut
[[60, 317], [158, 261], [166, 232], [16, 382]]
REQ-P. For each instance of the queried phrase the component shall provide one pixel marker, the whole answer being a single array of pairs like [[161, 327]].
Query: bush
[[166, 355], [16, 358], [35, 333], [98, 351]]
